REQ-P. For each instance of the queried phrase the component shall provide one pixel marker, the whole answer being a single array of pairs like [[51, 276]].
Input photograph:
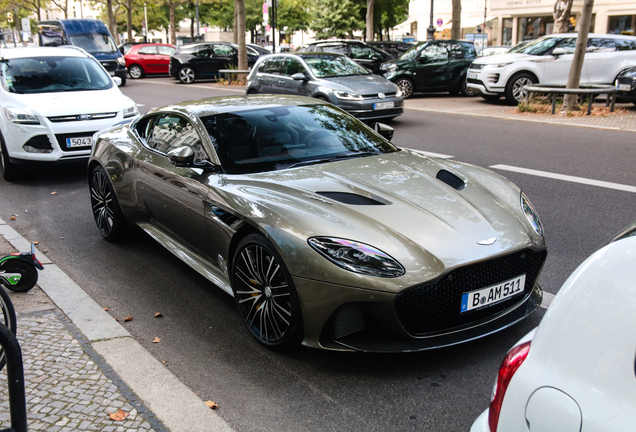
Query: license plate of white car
[[472, 75], [383, 105], [79, 142], [493, 294], [624, 87]]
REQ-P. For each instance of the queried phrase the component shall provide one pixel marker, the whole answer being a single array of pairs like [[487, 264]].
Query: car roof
[[27, 52], [592, 35]]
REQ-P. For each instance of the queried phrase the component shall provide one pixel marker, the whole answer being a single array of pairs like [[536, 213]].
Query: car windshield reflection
[[278, 138], [334, 66]]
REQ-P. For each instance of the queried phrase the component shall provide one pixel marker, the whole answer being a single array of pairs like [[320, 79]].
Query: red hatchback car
[[145, 59]]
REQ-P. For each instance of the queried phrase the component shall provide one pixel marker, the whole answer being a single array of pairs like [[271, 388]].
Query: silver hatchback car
[[330, 77]]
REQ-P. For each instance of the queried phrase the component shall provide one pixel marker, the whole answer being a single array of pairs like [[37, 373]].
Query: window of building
[[535, 27], [506, 37], [622, 24]]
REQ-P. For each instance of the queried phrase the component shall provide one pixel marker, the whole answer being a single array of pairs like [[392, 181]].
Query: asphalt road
[[205, 344]]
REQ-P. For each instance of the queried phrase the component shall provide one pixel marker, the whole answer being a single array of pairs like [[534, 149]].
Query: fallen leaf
[[12, 217], [212, 405], [105, 309], [119, 415], [164, 361], [158, 315], [156, 340], [117, 319], [128, 318], [62, 238], [45, 251], [36, 243], [53, 193]]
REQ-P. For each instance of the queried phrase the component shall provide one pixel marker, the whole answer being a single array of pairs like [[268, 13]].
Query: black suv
[[432, 66], [204, 60], [361, 53], [394, 48]]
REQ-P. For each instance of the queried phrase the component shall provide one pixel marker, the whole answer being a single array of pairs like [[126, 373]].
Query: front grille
[[109, 65], [71, 118], [435, 306], [476, 66], [40, 142], [61, 139], [474, 81], [375, 95]]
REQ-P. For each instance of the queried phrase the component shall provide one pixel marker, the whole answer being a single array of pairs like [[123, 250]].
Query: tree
[[369, 20], [336, 18], [62, 5], [242, 52], [574, 78], [294, 15], [456, 24], [388, 14], [562, 10]]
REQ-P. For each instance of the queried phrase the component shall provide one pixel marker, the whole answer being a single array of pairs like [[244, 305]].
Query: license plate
[[383, 105], [79, 142], [472, 75], [624, 87], [493, 294]]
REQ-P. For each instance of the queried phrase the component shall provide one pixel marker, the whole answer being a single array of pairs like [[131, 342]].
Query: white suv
[[547, 61], [52, 101]]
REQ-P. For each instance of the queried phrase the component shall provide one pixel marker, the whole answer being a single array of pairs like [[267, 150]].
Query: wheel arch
[[523, 71]]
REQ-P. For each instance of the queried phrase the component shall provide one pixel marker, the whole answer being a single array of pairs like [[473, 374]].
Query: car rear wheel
[[9, 171], [186, 75], [136, 72], [108, 216], [265, 294], [406, 85], [514, 90]]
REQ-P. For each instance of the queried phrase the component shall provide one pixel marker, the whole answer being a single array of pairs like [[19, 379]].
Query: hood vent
[[451, 179], [349, 198]]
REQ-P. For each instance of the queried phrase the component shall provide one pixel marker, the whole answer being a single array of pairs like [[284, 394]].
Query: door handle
[[281, 82]]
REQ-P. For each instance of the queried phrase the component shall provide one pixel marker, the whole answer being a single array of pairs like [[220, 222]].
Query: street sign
[[9, 17], [440, 22], [26, 25]]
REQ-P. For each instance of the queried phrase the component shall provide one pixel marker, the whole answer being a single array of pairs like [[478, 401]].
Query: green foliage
[[389, 13], [336, 18], [294, 15]]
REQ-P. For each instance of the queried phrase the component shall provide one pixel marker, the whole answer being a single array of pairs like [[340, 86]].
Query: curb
[[174, 404]]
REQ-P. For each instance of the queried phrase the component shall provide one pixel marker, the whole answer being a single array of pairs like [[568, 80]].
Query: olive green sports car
[[324, 232]]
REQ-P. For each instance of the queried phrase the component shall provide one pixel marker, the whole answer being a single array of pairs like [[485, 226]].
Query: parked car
[[433, 66], [547, 60], [493, 50], [90, 35], [53, 100], [204, 60], [394, 48], [363, 54], [626, 85], [143, 59], [330, 77], [126, 46], [305, 215], [575, 371], [259, 49]]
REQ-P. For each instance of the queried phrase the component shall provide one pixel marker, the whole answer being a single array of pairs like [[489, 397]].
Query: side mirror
[[385, 131], [422, 59], [181, 156], [117, 81], [558, 52], [299, 76]]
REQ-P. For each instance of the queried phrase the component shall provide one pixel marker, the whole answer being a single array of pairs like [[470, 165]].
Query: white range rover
[[547, 61]]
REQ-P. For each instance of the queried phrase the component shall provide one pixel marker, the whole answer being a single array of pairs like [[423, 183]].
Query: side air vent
[[226, 217], [451, 179], [350, 198]]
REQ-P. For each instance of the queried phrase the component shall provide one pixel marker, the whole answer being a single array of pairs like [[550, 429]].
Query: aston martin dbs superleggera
[[324, 232]]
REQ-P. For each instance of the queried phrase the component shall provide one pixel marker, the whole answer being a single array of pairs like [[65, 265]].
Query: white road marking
[[573, 179], [547, 299]]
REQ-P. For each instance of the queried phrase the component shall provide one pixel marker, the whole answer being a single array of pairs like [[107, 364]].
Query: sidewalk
[[80, 364]]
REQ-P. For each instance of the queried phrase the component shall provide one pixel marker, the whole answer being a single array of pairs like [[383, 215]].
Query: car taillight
[[509, 366]]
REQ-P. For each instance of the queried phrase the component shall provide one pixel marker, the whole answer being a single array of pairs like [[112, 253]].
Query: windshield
[[94, 42], [539, 46], [328, 66], [412, 52], [53, 74], [271, 139]]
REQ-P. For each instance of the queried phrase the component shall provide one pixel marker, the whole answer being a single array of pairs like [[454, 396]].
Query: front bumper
[[367, 109], [624, 83], [485, 81]]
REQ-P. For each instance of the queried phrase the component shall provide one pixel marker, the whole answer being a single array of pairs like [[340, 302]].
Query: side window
[[274, 65], [203, 51], [362, 53], [168, 132], [568, 44], [435, 53], [148, 50], [338, 49], [293, 66], [165, 50], [456, 51], [625, 45], [224, 50], [262, 67], [601, 45]]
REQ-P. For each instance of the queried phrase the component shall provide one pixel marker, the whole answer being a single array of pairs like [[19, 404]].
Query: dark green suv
[[432, 66]]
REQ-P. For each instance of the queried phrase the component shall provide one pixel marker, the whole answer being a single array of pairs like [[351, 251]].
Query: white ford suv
[[52, 101], [547, 61]]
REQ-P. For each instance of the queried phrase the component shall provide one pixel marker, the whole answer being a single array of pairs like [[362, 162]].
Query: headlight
[[531, 214], [19, 116], [347, 95], [131, 110], [389, 67], [496, 65], [357, 257], [629, 73], [121, 61]]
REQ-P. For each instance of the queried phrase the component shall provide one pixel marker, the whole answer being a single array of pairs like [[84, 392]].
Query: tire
[[136, 72], [466, 91], [251, 91], [406, 85], [491, 98], [187, 75], [108, 216], [265, 294], [9, 170], [7, 318], [28, 274], [514, 92], [123, 82], [321, 98]]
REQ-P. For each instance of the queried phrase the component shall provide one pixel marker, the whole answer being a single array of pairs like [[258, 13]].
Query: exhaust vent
[[350, 198], [451, 179]]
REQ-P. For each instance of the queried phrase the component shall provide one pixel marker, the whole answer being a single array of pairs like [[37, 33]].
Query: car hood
[[361, 84], [75, 102], [421, 221], [505, 58]]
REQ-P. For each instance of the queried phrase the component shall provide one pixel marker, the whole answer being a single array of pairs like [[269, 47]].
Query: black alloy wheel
[[407, 87], [265, 294], [28, 274], [108, 216]]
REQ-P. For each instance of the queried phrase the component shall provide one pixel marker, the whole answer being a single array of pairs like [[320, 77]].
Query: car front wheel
[[135, 72], [265, 294], [108, 216], [406, 85], [515, 92], [186, 75], [9, 171]]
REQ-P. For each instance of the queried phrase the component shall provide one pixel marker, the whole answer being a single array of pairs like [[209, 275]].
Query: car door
[[225, 56], [149, 58], [271, 75], [600, 65], [202, 61], [459, 59], [163, 58], [432, 69], [174, 197], [288, 85], [557, 68], [366, 56]]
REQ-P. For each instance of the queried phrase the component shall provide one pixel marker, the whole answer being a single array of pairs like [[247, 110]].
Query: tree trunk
[[39, 6], [173, 30], [562, 9], [112, 27], [129, 7], [235, 33], [456, 24], [242, 51], [370, 29], [574, 78], [192, 29]]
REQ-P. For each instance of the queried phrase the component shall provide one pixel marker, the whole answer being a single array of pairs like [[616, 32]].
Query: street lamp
[[145, 24], [430, 33]]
